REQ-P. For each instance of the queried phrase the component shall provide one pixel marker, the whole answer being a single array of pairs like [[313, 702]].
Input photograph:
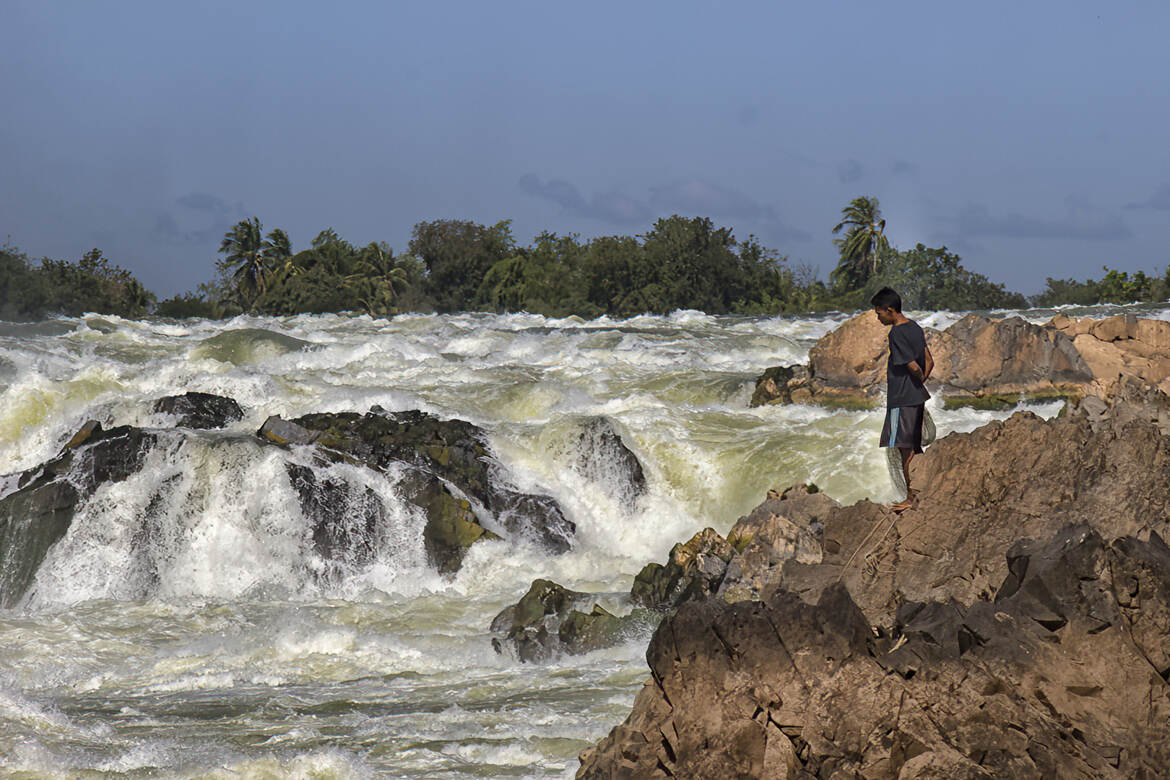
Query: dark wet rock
[[452, 527], [443, 466], [345, 521], [41, 509], [200, 410], [602, 457], [547, 623]]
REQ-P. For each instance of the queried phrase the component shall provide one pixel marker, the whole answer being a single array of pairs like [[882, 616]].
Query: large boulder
[[981, 361], [445, 467], [996, 362], [41, 509]]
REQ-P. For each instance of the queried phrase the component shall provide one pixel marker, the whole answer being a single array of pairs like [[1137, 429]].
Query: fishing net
[[894, 455]]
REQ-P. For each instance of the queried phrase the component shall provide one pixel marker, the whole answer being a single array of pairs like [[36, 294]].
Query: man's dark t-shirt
[[907, 343]]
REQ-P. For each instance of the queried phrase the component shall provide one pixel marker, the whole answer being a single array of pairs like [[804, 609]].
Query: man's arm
[[929, 365], [916, 371]]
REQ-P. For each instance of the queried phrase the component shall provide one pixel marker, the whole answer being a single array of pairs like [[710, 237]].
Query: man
[[908, 369]]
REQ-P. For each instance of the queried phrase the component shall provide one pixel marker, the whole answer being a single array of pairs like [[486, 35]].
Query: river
[[229, 661]]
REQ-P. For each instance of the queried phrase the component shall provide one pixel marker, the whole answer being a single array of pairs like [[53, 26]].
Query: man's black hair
[[886, 298]]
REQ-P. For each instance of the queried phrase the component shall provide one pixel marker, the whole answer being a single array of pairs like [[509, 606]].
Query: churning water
[[216, 652]]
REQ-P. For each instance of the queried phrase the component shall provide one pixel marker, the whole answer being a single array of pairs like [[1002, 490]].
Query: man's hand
[[929, 365], [916, 371]]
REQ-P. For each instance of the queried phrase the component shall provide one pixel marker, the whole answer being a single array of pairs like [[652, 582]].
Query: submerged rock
[[200, 410], [41, 509], [602, 457], [978, 634]]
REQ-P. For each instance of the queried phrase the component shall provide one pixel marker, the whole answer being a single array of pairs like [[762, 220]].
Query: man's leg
[[907, 454]]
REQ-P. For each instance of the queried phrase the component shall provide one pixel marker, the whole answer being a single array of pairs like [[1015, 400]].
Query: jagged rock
[[785, 527], [602, 457], [1046, 681], [546, 623], [941, 642], [41, 509], [982, 362], [782, 385], [694, 570], [446, 469], [982, 491], [200, 410]]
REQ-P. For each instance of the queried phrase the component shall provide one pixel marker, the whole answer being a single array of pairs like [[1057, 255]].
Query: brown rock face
[[977, 358], [848, 365], [982, 362], [1013, 624]]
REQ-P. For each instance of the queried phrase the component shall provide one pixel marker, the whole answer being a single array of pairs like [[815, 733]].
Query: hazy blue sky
[[1033, 138]]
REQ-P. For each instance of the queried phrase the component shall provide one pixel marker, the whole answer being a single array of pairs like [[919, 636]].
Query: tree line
[[458, 265]]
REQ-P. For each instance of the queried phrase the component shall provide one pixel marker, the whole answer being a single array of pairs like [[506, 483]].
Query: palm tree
[[378, 267], [243, 255], [863, 244], [277, 246]]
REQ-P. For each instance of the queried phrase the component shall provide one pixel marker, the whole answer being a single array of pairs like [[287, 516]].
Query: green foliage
[[92, 284], [22, 289], [933, 279], [191, 304], [1114, 287], [457, 256]]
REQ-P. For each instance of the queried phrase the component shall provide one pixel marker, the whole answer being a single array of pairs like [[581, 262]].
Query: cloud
[[200, 218], [903, 168], [688, 197], [704, 198], [1081, 221], [850, 171], [1160, 200], [612, 207], [696, 196]]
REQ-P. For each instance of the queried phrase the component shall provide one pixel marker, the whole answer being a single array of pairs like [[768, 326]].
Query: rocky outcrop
[[40, 510], [1012, 624], [990, 363], [1061, 675], [443, 466], [548, 621], [1121, 347], [200, 410]]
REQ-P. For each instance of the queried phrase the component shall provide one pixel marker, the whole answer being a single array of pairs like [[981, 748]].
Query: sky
[[1031, 138]]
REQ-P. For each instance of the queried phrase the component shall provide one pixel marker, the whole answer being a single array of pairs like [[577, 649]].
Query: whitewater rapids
[[229, 662]]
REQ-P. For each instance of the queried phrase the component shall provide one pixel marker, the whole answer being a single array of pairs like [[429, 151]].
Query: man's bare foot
[[910, 500]]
